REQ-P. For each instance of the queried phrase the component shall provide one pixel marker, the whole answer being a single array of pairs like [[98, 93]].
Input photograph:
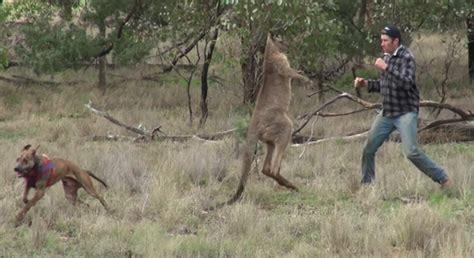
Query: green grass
[[15, 134]]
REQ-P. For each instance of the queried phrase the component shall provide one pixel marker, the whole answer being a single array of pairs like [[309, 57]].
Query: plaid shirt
[[397, 84]]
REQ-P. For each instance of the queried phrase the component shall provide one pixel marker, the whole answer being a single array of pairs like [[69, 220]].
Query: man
[[400, 107]]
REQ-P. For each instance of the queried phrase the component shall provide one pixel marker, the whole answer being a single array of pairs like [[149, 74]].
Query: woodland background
[[183, 77]]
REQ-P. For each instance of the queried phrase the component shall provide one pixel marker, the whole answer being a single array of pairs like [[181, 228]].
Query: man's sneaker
[[447, 184]]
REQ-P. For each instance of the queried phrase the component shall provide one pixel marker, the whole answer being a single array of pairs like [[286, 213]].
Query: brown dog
[[42, 172]]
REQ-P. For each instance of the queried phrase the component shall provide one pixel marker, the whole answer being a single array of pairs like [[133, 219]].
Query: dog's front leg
[[39, 193], [25, 193]]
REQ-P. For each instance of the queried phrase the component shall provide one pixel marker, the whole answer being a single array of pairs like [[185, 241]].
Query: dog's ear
[[27, 147], [34, 150]]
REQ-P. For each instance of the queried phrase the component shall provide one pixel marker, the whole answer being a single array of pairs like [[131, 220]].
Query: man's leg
[[407, 126], [381, 129]]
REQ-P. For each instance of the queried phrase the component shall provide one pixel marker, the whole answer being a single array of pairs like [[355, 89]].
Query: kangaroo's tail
[[247, 159], [96, 178]]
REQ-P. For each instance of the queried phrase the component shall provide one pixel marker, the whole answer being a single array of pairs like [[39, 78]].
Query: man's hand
[[359, 82], [380, 64]]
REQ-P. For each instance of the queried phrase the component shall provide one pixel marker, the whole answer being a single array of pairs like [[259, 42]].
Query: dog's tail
[[96, 178]]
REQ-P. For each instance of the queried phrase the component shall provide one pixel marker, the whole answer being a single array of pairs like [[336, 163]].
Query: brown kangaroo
[[270, 122]]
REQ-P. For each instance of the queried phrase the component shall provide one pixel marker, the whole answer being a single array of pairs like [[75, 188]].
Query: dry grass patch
[[157, 190]]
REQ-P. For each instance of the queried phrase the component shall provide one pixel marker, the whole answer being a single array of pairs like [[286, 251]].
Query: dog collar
[[42, 171]]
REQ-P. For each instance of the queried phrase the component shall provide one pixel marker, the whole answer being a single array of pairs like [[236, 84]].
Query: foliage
[[4, 14], [320, 30], [53, 45], [130, 50], [3, 58], [320, 33], [56, 48], [412, 16]]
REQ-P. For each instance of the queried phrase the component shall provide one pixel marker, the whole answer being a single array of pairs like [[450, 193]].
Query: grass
[[158, 191]]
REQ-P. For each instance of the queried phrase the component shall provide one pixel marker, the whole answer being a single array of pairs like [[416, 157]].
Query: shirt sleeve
[[405, 72], [373, 85]]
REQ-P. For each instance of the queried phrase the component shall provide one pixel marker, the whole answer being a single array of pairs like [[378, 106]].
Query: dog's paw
[[25, 201]]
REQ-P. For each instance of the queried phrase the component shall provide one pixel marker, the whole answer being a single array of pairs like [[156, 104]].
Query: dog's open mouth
[[21, 173]]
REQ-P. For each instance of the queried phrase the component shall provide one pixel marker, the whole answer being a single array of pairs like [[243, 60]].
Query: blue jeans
[[406, 124]]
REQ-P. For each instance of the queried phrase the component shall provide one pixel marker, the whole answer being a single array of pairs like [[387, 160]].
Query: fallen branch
[[27, 80], [115, 121], [146, 135], [367, 105], [21, 80], [348, 138], [466, 115], [203, 137], [432, 132], [458, 132], [111, 137]]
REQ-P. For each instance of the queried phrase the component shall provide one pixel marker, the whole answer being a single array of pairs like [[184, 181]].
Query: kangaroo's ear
[[27, 147]]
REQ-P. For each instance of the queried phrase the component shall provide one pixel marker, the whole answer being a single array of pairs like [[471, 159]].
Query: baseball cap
[[391, 31]]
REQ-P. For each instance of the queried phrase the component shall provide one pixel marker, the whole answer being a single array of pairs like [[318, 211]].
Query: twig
[[316, 92], [185, 51], [309, 139]]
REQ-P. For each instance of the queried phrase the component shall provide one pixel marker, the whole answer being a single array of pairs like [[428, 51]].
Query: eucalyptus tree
[[324, 36], [320, 36], [187, 24], [439, 16], [58, 36], [4, 31]]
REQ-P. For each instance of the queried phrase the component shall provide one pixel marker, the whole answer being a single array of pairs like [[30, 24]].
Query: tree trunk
[[470, 46], [321, 90], [362, 12], [102, 84], [252, 66], [204, 84], [364, 21], [67, 9]]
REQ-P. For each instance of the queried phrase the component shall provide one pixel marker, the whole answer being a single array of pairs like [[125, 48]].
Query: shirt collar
[[399, 48]]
